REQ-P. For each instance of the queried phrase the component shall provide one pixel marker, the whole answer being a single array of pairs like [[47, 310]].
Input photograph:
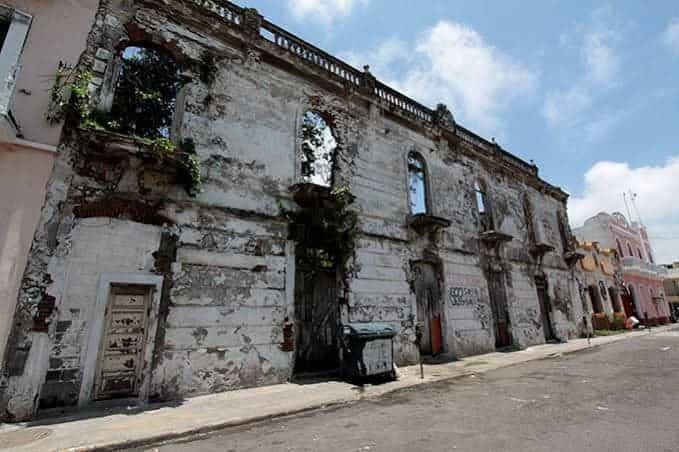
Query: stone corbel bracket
[[423, 223]]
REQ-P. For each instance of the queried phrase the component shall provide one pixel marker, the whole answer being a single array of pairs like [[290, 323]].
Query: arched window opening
[[482, 205], [622, 254], [629, 248], [318, 150], [528, 218], [564, 232], [145, 93], [595, 299], [417, 183], [641, 256], [615, 299]]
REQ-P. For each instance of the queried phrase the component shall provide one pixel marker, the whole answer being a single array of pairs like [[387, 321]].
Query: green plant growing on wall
[[183, 158], [326, 236], [69, 96], [146, 93]]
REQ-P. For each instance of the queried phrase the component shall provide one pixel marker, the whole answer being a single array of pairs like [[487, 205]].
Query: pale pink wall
[[58, 33], [23, 177]]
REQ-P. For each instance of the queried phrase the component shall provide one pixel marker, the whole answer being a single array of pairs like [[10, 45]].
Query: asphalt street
[[619, 397]]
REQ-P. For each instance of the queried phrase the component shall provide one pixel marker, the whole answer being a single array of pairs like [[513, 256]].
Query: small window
[[417, 184], [318, 150], [482, 206], [564, 232], [629, 248], [639, 253], [145, 95], [480, 197], [4, 29], [622, 254], [528, 219]]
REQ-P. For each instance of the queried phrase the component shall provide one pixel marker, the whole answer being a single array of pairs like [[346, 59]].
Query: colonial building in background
[[35, 36], [643, 279], [603, 286], [228, 196], [671, 285]]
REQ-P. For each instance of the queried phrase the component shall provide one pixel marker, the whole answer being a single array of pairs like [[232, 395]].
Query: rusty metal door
[[500, 310], [317, 316], [545, 308], [121, 355], [428, 294]]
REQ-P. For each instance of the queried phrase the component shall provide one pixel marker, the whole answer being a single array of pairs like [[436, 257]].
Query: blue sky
[[587, 89]]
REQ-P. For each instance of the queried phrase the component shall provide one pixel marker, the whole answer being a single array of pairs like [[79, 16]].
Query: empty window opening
[[622, 254], [4, 29], [318, 150], [639, 253], [417, 183], [145, 97], [564, 232], [482, 206], [629, 249]]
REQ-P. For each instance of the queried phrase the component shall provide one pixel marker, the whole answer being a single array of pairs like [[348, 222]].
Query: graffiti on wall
[[463, 296]]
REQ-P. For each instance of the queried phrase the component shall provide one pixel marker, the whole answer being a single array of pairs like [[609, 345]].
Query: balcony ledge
[[423, 222], [495, 237]]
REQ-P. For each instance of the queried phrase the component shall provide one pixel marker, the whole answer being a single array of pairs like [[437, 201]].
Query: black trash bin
[[369, 350]]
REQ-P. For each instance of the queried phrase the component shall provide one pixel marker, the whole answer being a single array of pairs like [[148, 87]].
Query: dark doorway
[[545, 308], [595, 298], [317, 318], [428, 294], [628, 304], [498, 306]]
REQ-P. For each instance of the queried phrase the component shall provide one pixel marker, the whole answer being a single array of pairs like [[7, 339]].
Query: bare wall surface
[[23, 175]]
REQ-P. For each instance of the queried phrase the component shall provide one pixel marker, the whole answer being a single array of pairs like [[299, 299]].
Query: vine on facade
[[327, 235], [71, 100]]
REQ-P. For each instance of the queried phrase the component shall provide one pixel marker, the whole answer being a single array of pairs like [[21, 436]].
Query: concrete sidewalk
[[119, 429]]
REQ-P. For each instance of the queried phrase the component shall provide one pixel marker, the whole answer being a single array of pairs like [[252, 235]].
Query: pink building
[[35, 35], [643, 279]]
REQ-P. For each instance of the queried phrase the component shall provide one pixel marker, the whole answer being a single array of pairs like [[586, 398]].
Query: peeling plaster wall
[[229, 277], [98, 246]]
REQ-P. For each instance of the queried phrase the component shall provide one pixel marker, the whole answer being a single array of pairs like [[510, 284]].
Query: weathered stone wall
[[228, 268]]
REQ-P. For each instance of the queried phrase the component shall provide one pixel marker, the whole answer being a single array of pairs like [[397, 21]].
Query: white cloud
[[598, 42], [453, 64], [565, 108], [656, 188], [324, 11], [601, 56], [671, 35]]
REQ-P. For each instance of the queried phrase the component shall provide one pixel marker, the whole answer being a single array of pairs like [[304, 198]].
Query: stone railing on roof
[[388, 97]]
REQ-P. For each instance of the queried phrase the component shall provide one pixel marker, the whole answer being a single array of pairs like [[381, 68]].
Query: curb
[[204, 430]]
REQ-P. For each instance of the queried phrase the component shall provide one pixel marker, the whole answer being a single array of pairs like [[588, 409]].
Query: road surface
[[620, 397]]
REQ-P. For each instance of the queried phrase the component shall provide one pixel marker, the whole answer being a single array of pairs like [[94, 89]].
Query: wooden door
[[317, 317], [500, 310], [545, 309], [428, 294], [121, 354]]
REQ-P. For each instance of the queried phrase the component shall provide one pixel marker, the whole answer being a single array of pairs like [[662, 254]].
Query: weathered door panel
[[500, 310], [317, 315], [545, 309], [120, 358], [428, 294]]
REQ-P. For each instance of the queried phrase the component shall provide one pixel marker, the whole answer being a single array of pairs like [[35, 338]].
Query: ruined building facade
[[325, 198]]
